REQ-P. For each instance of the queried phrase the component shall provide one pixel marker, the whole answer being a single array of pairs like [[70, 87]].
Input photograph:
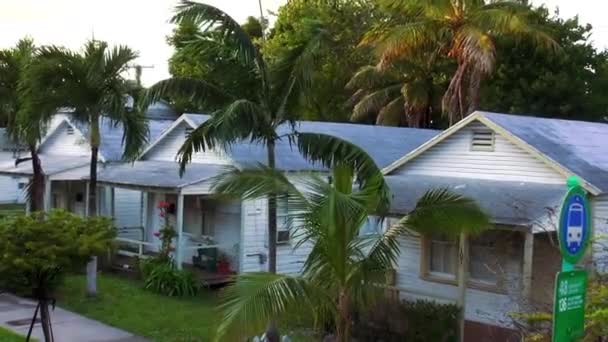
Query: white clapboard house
[[211, 229], [65, 157], [516, 168], [12, 188]]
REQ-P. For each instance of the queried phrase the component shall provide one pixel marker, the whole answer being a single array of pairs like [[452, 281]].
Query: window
[[483, 255], [441, 258], [482, 140], [491, 254], [283, 220], [372, 226], [70, 130], [21, 185]]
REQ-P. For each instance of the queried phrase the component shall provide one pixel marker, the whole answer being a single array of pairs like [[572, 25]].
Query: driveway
[[16, 314]]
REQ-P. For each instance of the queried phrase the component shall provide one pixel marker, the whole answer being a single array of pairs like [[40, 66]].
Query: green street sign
[[574, 223], [569, 306]]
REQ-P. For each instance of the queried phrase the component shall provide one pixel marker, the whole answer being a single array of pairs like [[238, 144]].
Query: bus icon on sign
[[574, 232]]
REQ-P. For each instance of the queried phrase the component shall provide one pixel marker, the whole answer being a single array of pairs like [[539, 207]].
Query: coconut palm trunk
[[36, 190], [92, 201]]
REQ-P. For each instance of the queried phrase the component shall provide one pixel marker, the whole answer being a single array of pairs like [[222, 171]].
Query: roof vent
[[188, 131], [482, 140], [70, 130]]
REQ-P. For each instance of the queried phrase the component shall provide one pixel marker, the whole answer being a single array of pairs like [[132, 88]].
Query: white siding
[[62, 143], [253, 235], [127, 207], [481, 306], [9, 189], [600, 225], [453, 158], [167, 148]]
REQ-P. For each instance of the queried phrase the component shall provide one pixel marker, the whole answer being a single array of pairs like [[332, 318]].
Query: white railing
[[139, 245]]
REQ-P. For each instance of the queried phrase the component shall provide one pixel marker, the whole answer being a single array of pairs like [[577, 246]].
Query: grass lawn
[[9, 336], [124, 304]]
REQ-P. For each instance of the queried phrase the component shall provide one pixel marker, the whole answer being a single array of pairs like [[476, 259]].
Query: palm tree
[[462, 30], [254, 115], [344, 269], [404, 94], [21, 126], [90, 83]]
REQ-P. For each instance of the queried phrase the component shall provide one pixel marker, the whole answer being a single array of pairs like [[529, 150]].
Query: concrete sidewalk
[[16, 314]]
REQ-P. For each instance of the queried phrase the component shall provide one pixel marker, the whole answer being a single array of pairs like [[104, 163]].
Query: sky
[[143, 24]]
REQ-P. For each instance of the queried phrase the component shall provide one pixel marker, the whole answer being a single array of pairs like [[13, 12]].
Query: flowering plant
[[166, 234]]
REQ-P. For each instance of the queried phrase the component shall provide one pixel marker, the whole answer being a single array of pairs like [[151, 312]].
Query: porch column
[[527, 267], [180, 228], [47, 194], [463, 278], [113, 203], [144, 209]]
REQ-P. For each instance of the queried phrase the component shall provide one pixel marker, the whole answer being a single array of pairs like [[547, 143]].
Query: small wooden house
[[234, 231], [516, 168]]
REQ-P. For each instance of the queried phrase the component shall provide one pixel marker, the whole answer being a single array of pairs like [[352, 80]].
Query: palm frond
[[292, 72], [252, 183], [392, 114], [210, 18], [241, 120], [376, 100], [255, 298], [117, 60], [477, 48], [445, 212], [195, 90]]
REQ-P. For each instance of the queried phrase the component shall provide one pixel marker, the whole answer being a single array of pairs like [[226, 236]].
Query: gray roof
[[50, 165], [161, 110], [506, 202], [112, 146], [384, 144], [580, 146], [157, 174]]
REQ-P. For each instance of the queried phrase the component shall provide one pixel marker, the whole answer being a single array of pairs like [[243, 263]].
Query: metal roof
[[157, 174], [506, 202], [112, 146], [580, 146], [383, 144], [50, 165]]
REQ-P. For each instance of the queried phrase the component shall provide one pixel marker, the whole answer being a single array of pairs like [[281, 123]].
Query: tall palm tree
[[92, 84], [344, 269], [254, 116], [18, 116], [463, 30]]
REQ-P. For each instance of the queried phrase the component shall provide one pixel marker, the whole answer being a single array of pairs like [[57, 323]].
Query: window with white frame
[[283, 224], [490, 254], [442, 257]]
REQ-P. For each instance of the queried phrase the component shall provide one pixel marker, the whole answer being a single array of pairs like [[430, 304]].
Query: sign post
[[571, 284]]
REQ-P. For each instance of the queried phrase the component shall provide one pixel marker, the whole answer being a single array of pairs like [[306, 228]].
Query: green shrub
[[415, 321], [164, 278]]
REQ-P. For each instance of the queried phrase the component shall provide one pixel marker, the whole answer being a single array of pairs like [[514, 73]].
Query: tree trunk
[[463, 279], [343, 323], [36, 190], [45, 320], [272, 217], [92, 205], [272, 332]]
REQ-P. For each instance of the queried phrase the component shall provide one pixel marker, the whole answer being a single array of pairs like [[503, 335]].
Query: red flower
[[163, 205]]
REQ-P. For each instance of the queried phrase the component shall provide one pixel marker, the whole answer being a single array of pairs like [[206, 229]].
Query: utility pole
[[138, 71], [262, 21]]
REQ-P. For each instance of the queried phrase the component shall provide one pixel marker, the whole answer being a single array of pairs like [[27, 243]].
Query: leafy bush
[[164, 278], [418, 321]]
